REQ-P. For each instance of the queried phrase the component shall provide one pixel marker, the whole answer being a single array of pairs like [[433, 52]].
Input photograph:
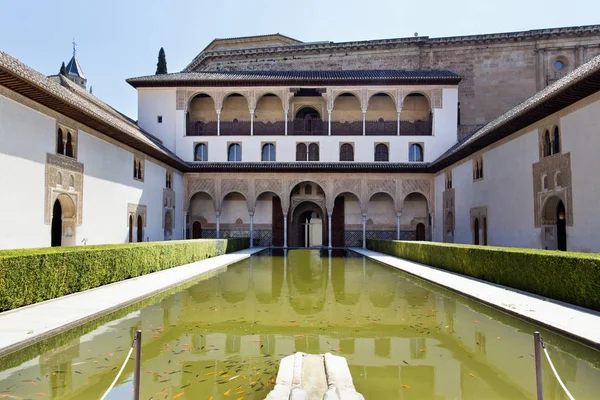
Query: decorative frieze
[[64, 175]]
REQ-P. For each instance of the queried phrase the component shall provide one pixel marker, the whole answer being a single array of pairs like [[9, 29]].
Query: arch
[[547, 144], [201, 152], [554, 218], [381, 212], [131, 229], [196, 230], [301, 152], [415, 153], [313, 152], [381, 105], [235, 106], [556, 142], [266, 108], [307, 111], [545, 182], [234, 152], [200, 94], [417, 93], [140, 229], [345, 109], [420, 232], [60, 144], [415, 210], [390, 94], [63, 221], [228, 192], [268, 152], [235, 217], [382, 152], [347, 210], [557, 180], [476, 231], [69, 145], [346, 152], [59, 178], [309, 225], [56, 229]]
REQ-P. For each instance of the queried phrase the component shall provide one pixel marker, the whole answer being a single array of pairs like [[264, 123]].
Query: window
[[201, 152], [346, 152], [558, 65], [313, 152], [169, 180], [545, 182], [307, 189], [234, 153], [159, 119], [381, 152], [476, 232], [268, 152], [547, 144], [556, 144], [138, 169], [558, 180], [69, 146], [448, 179], [60, 145], [415, 152], [477, 168], [301, 152]]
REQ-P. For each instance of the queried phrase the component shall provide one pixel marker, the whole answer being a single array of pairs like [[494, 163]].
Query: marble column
[[218, 123], [364, 223], [329, 122], [432, 231], [398, 123], [285, 230], [398, 226], [218, 225], [364, 123], [251, 122], [251, 229]]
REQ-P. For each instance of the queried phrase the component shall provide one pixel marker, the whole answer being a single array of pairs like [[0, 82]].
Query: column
[[364, 222], [286, 123], [329, 227], [398, 226], [364, 122], [218, 224], [218, 123], [398, 123], [184, 236], [329, 122], [251, 229], [285, 230], [251, 122], [431, 215]]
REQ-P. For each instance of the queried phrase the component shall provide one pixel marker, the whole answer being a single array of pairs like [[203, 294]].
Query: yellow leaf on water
[[472, 376], [405, 387]]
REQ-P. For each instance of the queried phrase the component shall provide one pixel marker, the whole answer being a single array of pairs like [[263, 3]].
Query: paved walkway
[[26, 325], [572, 320]]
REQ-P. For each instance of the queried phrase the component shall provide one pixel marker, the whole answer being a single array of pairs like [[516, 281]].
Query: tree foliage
[[63, 69], [161, 66]]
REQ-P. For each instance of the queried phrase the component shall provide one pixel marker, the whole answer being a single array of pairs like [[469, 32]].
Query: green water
[[224, 336]]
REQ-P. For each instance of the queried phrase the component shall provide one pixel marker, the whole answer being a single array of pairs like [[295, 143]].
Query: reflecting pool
[[223, 336]]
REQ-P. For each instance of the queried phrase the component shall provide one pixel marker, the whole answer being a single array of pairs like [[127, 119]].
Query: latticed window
[[415, 152], [235, 152], [313, 152], [381, 152], [346, 152], [201, 152], [268, 152], [301, 152]]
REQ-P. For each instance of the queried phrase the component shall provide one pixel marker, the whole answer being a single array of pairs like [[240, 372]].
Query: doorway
[[56, 231]]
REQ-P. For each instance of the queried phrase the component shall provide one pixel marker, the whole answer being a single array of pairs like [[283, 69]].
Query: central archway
[[308, 226], [554, 224]]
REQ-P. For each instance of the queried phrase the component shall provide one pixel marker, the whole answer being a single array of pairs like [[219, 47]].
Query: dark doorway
[[476, 231], [485, 232], [196, 230], [140, 229], [131, 229], [338, 223], [276, 222], [561, 226], [56, 231], [420, 231]]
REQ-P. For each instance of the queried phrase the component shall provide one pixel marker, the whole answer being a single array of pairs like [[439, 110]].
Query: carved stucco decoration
[[135, 211], [180, 99], [321, 182], [196, 185], [64, 175], [550, 167], [346, 186], [168, 203], [381, 186], [449, 215], [320, 201], [234, 185], [268, 185], [478, 213], [422, 186]]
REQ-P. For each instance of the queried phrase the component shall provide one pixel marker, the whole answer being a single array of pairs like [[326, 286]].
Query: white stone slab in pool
[[26, 325]]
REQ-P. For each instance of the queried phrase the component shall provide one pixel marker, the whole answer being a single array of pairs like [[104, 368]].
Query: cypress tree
[[63, 69], [161, 66]]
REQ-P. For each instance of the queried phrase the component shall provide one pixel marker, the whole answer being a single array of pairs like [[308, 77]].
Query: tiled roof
[[297, 77], [306, 166], [74, 102], [575, 86], [73, 68]]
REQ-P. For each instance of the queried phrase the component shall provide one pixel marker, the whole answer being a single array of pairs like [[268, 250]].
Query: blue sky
[[120, 39]]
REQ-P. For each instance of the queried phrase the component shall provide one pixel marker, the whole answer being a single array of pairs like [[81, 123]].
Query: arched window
[[140, 229], [201, 152], [476, 231], [556, 147], [545, 182], [69, 147], [381, 152], [415, 152], [131, 229], [484, 231], [547, 144], [346, 152], [558, 180], [268, 152], [140, 171], [60, 145], [313, 152], [135, 169], [234, 153], [301, 152], [307, 189]]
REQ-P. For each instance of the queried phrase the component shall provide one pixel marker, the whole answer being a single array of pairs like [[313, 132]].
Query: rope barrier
[[120, 371], [556, 373]]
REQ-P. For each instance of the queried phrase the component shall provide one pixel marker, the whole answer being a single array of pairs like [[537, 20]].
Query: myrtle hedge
[[29, 276], [566, 276]]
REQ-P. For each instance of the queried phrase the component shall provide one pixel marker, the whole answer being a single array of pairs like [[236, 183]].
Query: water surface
[[224, 336]]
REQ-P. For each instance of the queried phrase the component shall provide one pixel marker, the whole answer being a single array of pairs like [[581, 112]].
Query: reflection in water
[[224, 336]]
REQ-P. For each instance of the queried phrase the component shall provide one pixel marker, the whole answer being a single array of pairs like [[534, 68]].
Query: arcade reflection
[[224, 336]]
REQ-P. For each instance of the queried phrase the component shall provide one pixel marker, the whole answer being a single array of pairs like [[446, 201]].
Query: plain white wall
[[151, 104]]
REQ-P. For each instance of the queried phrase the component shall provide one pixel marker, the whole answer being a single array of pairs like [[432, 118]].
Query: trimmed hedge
[[29, 276], [566, 276]]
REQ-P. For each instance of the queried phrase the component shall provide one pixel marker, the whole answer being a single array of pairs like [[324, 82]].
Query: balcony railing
[[310, 127]]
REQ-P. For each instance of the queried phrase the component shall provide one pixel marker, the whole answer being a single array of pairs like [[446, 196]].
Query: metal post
[[138, 365], [537, 346]]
